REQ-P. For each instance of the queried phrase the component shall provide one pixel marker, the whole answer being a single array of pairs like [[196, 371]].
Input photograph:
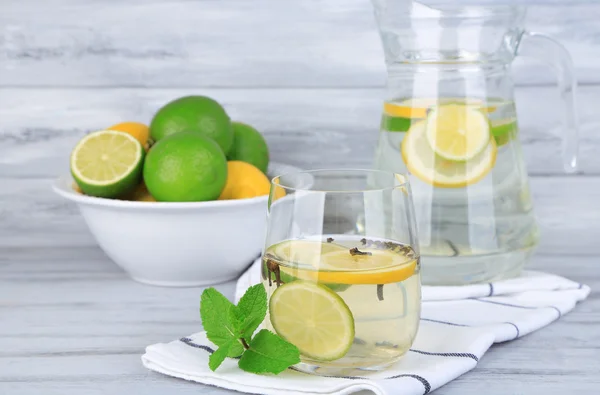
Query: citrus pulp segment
[[457, 132], [313, 318], [107, 163], [423, 162]]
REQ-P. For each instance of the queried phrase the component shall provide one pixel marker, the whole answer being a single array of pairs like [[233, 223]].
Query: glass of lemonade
[[341, 268]]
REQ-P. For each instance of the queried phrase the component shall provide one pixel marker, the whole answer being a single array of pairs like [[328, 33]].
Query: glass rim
[[402, 180]]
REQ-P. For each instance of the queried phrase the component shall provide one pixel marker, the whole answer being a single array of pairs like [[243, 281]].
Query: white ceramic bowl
[[177, 244]]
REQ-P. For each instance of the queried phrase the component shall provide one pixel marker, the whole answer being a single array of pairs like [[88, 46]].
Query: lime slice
[[504, 130], [107, 163], [341, 267], [422, 162], [313, 318], [395, 124], [302, 253], [457, 132]]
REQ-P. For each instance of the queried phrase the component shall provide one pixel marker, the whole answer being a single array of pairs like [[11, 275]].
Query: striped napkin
[[458, 325]]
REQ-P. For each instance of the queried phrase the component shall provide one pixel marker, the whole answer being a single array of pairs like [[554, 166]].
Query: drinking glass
[[341, 268]]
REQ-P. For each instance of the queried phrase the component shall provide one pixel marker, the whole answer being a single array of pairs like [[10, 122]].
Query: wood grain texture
[[310, 75], [32, 215], [232, 43], [72, 323], [39, 127]]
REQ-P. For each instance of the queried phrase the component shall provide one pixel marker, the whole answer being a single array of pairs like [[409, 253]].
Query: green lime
[[249, 146], [199, 114], [504, 130], [322, 330], [185, 167], [107, 163], [395, 124]]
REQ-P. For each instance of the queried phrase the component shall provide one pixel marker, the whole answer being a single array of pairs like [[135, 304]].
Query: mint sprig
[[232, 328]]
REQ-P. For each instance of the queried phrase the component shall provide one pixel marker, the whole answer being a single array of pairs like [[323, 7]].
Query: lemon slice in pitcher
[[313, 318], [422, 161], [107, 163], [418, 107], [457, 132]]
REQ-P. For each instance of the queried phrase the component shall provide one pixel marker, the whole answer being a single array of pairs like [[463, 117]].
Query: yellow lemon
[[244, 181], [423, 162], [138, 130]]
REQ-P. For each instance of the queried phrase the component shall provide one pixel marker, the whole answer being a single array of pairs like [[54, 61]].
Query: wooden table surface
[[73, 323], [310, 76]]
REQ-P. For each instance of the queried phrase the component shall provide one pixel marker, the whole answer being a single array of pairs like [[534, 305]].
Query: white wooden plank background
[[232, 43], [310, 75], [39, 127]]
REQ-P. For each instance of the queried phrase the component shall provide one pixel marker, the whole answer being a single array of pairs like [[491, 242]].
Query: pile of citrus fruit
[[191, 152]]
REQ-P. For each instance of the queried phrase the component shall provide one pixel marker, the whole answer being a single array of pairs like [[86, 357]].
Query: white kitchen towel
[[457, 327]]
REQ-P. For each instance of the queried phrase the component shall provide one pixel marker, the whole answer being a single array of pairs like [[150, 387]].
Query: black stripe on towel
[[443, 322], [491, 289], [414, 376], [329, 376], [448, 354], [190, 343], [519, 306], [516, 327]]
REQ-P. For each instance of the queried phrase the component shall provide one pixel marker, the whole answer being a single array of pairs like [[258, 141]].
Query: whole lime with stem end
[[199, 114]]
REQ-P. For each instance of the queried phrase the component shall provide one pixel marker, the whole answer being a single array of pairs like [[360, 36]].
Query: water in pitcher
[[472, 203]]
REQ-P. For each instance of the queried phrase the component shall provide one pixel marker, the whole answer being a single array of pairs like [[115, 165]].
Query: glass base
[[340, 371], [473, 269]]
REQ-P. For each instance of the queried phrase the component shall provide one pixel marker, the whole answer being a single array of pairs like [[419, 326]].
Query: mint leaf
[[217, 357], [252, 309], [235, 320], [268, 353], [220, 325]]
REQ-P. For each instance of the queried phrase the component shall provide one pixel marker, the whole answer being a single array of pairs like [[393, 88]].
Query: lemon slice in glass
[[457, 132], [304, 254], [107, 163], [313, 318], [423, 162], [340, 267]]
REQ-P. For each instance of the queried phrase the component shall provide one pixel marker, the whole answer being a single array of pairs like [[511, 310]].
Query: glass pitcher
[[449, 121]]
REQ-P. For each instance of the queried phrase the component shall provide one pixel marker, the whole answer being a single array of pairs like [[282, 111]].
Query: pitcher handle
[[553, 53]]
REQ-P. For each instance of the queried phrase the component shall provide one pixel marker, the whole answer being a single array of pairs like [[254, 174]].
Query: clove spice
[[355, 251], [273, 267]]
